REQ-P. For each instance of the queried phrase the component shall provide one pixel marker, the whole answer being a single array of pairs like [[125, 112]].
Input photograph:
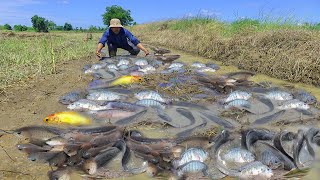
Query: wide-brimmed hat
[[115, 23]]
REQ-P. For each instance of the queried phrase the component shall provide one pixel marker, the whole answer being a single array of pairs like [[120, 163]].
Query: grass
[[281, 48], [24, 55]]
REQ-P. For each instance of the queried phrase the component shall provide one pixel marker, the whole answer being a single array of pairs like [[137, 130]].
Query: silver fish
[[112, 66], [213, 66], [123, 62], [176, 65], [279, 95], [149, 94], [238, 103], [294, 104], [71, 97], [238, 155], [98, 66], [238, 95], [205, 69], [151, 103], [198, 65], [191, 154], [123, 67], [123, 106], [141, 62], [147, 69], [255, 169], [85, 104], [104, 95], [192, 167], [305, 97], [271, 160]]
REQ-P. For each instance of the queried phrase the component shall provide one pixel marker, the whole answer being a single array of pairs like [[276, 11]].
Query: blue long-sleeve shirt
[[119, 40]]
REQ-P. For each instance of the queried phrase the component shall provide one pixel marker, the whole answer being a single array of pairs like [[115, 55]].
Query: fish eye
[[47, 119]]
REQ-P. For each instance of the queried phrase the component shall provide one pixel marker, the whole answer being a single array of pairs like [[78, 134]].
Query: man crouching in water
[[116, 36]]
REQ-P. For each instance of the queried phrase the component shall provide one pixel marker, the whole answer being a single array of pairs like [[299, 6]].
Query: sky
[[81, 13]]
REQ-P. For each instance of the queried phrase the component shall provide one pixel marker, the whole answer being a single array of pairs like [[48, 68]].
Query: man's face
[[115, 30]]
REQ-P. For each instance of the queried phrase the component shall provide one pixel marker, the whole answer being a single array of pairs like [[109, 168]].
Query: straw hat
[[115, 23]]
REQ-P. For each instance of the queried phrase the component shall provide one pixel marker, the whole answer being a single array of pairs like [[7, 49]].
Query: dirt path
[[28, 104]]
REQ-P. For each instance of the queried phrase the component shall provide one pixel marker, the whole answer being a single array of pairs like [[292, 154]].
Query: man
[[118, 37]]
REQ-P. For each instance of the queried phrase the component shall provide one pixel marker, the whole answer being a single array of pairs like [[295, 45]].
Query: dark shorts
[[133, 50]]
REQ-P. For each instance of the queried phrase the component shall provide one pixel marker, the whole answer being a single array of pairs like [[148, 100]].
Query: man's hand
[[146, 53], [99, 54]]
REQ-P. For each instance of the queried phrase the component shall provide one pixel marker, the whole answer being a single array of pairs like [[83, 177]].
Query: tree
[[117, 12], [59, 28], [51, 25], [20, 27], [7, 27], [40, 24], [67, 27]]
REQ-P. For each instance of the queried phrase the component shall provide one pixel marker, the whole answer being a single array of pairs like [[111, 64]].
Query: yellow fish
[[67, 117], [126, 80]]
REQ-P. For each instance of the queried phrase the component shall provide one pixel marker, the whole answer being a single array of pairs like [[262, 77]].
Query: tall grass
[[24, 55]]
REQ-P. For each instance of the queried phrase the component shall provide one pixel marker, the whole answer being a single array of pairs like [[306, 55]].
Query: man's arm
[[140, 46], [102, 43]]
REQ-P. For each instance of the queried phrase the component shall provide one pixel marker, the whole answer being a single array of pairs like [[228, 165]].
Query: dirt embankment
[[288, 54]]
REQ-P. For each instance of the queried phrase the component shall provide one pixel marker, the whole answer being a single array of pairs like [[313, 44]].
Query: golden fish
[[67, 117], [126, 80]]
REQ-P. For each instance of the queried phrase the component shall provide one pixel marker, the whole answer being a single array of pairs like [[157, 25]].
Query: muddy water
[[28, 104]]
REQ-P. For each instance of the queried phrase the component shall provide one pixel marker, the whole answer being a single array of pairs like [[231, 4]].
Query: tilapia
[[176, 64], [305, 97], [238, 155], [279, 95], [198, 65], [238, 95], [238, 103], [85, 104], [127, 106], [71, 97], [151, 103], [191, 154], [141, 62], [149, 94], [192, 167], [123, 62], [104, 95], [294, 104]]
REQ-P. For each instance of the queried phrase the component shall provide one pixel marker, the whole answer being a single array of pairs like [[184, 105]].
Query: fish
[[62, 173], [123, 62], [279, 138], [298, 145], [309, 136], [249, 137], [85, 104], [76, 160], [192, 167], [176, 69], [104, 74], [71, 97], [293, 104], [305, 97], [218, 120], [255, 169], [186, 113], [191, 154], [149, 94], [127, 106], [267, 102], [205, 69], [151, 103], [198, 65], [189, 105], [165, 117], [147, 69], [111, 114], [98, 66], [278, 95], [272, 157], [38, 132], [104, 95], [126, 80], [238, 155], [213, 66], [141, 62], [58, 160], [238, 103], [71, 149], [158, 50], [42, 156], [130, 119], [92, 165], [269, 118], [188, 132], [238, 95], [112, 67], [104, 139], [67, 117], [92, 152], [176, 65], [94, 130], [29, 148], [123, 67]]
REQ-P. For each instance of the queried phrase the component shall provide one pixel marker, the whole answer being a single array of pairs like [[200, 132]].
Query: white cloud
[[203, 13], [63, 2]]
